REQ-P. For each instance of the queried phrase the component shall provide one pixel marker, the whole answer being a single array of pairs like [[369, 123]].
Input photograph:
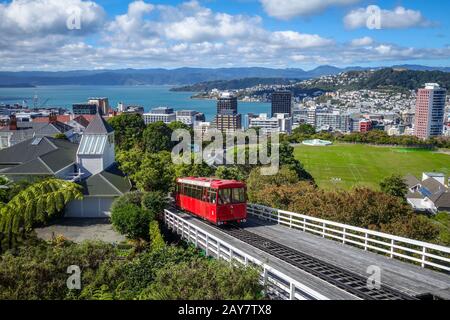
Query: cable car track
[[339, 277], [345, 280]]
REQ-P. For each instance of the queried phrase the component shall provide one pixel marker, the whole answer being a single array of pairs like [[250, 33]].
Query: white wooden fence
[[276, 282], [423, 253]]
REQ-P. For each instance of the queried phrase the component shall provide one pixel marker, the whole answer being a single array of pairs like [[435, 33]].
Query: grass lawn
[[347, 165]]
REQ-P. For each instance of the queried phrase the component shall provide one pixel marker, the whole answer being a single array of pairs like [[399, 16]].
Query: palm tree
[[37, 203]]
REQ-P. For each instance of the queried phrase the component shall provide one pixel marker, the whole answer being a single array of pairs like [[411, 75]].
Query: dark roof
[[443, 202], [414, 195], [82, 121], [38, 156], [110, 182], [411, 181], [28, 130], [26, 151], [98, 125], [434, 188]]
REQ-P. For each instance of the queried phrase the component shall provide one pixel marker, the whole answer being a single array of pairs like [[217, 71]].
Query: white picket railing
[[423, 253], [276, 282]]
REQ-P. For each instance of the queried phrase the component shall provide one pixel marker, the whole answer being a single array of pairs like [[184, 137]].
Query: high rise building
[[227, 104], [282, 102], [227, 118], [102, 105], [228, 122], [430, 108]]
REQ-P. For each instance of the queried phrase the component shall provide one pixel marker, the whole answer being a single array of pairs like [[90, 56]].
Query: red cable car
[[214, 200]]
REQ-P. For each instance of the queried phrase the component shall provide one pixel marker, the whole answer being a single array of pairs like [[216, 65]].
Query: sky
[[53, 35]]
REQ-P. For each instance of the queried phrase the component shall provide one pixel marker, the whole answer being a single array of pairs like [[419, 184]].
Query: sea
[[147, 96]]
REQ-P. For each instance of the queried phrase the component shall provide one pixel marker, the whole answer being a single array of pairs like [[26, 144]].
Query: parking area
[[79, 230]]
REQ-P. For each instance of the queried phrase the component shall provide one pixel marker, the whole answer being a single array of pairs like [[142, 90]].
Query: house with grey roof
[[429, 195], [18, 131], [91, 163]]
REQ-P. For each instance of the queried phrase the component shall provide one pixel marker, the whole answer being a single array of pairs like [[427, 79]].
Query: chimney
[[52, 118], [12, 122]]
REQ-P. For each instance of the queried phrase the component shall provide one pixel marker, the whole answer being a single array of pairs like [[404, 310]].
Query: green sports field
[[346, 165]]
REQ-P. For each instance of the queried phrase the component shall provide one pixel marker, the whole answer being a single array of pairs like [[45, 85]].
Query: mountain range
[[180, 76]]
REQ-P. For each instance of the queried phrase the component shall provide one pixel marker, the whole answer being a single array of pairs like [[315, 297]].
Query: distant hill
[[180, 76], [397, 78], [233, 84]]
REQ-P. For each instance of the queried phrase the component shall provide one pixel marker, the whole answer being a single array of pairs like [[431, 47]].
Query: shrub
[[202, 279], [155, 202], [131, 220], [156, 239]]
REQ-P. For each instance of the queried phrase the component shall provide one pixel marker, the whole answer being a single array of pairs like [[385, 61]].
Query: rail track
[[346, 280]]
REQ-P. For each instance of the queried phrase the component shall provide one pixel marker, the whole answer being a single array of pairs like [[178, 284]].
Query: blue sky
[[220, 33]]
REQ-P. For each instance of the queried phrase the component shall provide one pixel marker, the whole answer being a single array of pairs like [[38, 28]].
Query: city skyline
[[74, 34]]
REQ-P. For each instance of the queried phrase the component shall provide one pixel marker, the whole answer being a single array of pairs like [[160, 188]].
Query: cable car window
[[224, 196], [238, 195], [212, 196]]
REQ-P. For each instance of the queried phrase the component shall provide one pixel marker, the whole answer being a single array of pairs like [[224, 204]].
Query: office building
[[102, 105], [84, 108], [282, 102], [430, 108], [189, 117], [163, 114], [227, 104], [228, 122], [279, 123]]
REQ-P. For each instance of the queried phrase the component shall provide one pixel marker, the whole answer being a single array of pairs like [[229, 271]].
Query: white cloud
[[189, 34], [44, 17], [360, 42], [287, 9], [399, 18]]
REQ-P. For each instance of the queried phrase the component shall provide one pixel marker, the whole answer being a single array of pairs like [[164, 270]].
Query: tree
[[230, 173], [156, 173], [257, 182], [155, 202], [304, 129], [157, 137], [128, 130], [287, 158], [131, 220], [37, 203], [395, 186]]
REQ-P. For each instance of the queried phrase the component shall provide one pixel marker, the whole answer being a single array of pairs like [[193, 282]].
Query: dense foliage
[[133, 213], [39, 271], [361, 207], [128, 130], [372, 137], [36, 203], [394, 185]]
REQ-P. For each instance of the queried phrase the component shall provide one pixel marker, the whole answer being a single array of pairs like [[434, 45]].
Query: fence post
[[323, 229], [392, 248], [304, 224], [424, 258], [344, 236], [207, 245], [365, 241], [196, 238], [218, 249], [292, 291]]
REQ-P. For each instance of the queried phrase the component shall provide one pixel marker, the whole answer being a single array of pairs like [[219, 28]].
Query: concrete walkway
[[79, 230]]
